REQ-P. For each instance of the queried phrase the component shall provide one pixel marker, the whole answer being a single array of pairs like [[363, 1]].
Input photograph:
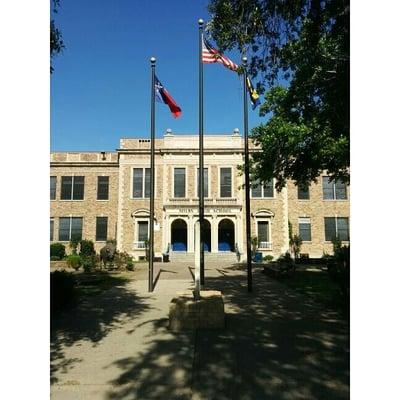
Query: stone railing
[[207, 201], [265, 245]]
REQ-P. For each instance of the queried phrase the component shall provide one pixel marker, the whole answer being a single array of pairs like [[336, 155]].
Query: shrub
[[73, 244], [57, 250], [118, 260], [97, 260], [286, 262], [107, 252], [295, 242], [339, 269], [130, 265], [74, 261], [87, 248], [110, 265], [337, 244], [54, 258], [62, 290], [285, 259], [342, 255], [268, 258], [123, 260], [254, 245], [88, 263]]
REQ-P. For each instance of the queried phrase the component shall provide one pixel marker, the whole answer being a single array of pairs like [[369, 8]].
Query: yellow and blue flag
[[254, 97]]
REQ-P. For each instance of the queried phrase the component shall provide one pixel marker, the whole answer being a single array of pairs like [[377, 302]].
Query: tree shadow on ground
[[92, 320], [164, 371], [277, 344]]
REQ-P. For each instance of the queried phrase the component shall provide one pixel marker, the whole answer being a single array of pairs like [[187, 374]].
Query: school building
[[105, 195]]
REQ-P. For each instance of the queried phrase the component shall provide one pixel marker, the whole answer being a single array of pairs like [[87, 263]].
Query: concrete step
[[189, 257]]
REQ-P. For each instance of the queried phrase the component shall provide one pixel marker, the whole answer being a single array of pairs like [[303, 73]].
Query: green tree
[[56, 40], [295, 242], [300, 52]]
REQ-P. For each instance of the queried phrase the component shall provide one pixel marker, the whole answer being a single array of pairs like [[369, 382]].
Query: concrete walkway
[[276, 345]]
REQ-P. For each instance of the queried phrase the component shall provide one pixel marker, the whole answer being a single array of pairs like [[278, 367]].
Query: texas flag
[[163, 96]]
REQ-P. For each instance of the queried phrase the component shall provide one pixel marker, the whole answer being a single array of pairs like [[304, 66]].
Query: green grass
[[94, 283], [318, 285]]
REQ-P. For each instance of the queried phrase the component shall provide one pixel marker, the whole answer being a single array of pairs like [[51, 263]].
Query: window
[[336, 227], [70, 227], [268, 189], [335, 190], [179, 182], [143, 231], [340, 190], [342, 228], [305, 229], [51, 230], [263, 232], [141, 185], [53, 186], [303, 192], [205, 179], [101, 229], [225, 182], [264, 191], [72, 187], [102, 187], [256, 191]]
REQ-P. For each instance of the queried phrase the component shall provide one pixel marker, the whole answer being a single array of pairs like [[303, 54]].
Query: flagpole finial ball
[[201, 22], [152, 60]]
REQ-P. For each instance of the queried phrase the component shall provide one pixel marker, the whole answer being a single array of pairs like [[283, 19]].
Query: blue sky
[[100, 89]]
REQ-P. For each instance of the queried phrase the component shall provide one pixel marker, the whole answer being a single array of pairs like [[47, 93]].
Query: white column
[[214, 234], [164, 226], [239, 230], [190, 234]]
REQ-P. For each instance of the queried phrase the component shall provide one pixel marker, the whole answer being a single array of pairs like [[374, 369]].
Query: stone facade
[[174, 218], [316, 208], [89, 165]]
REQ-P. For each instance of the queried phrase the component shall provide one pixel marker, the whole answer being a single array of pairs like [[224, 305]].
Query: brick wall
[[89, 208], [122, 210]]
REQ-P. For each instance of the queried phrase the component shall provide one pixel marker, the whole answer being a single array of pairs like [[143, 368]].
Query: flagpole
[[201, 155], [247, 176], [151, 219]]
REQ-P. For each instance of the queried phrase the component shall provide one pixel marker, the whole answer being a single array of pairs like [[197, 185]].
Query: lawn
[[67, 289], [317, 284], [94, 283]]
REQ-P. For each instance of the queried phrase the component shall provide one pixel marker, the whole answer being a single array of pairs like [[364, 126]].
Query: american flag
[[210, 55]]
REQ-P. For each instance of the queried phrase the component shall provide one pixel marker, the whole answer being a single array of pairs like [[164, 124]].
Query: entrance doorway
[[207, 236], [226, 235], [179, 235]]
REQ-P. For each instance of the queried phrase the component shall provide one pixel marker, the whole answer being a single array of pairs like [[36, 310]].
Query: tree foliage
[[56, 40], [300, 52], [295, 242]]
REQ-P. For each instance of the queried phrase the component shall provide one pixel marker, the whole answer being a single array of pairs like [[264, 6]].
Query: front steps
[[223, 257]]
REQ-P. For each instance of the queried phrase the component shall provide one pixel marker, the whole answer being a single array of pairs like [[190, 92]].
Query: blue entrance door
[[226, 235], [179, 235]]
